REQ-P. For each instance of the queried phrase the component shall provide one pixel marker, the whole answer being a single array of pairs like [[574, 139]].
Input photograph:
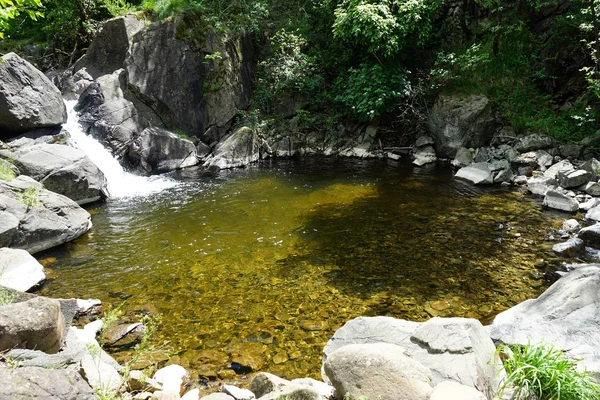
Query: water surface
[[258, 267]]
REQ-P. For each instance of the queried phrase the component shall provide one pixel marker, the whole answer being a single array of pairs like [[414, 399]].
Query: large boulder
[[33, 324], [238, 149], [478, 174], [159, 150], [44, 383], [28, 99], [62, 169], [560, 201], [567, 316], [455, 349], [377, 370], [459, 121], [168, 68], [45, 219], [533, 142], [590, 235], [19, 270]]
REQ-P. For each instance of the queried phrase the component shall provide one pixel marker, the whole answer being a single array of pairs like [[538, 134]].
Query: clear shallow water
[[260, 266]]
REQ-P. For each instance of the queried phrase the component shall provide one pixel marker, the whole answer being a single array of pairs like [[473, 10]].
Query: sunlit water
[[120, 182], [259, 266]]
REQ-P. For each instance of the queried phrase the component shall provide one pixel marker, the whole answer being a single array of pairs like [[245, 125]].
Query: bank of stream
[[257, 268]]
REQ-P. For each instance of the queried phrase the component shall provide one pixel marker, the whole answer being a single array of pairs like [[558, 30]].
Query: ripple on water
[[257, 268]]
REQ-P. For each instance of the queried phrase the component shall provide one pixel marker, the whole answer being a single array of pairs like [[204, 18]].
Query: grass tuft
[[6, 173], [30, 197]]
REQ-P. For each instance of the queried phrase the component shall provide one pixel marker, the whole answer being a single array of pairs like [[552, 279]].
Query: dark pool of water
[[258, 267]]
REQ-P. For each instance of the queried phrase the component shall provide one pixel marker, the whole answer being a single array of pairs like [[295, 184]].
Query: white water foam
[[120, 182]]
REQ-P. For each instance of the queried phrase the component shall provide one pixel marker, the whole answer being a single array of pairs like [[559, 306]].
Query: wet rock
[[573, 179], [592, 188], [137, 381], [450, 390], [560, 201], [571, 225], [561, 166], [122, 333], [237, 149], [28, 99], [453, 348], [565, 316], [172, 378], [424, 155], [46, 219], [43, 383], [533, 142], [237, 393], [477, 174], [157, 150], [377, 370], [593, 213], [571, 248], [37, 323], [19, 270], [591, 235], [539, 186]]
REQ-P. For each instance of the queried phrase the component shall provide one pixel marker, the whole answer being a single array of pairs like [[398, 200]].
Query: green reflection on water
[[260, 266]]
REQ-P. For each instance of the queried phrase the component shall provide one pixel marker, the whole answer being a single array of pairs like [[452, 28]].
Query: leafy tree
[[10, 9]]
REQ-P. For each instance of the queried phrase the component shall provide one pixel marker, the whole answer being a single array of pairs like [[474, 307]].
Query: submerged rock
[[565, 316], [19, 270], [28, 99]]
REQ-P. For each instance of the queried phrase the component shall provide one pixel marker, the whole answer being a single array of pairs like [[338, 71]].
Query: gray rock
[[540, 186], [28, 99], [498, 165], [9, 225], [7, 165], [172, 378], [100, 375], [19, 270], [562, 166], [159, 150], [325, 391], [238, 149], [529, 158], [573, 179], [560, 201], [533, 142], [423, 141], [463, 157], [44, 384], [450, 390], [504, 176], [217, 396], [33, 324], [544, 160], [520, 180], [593, 213], [570, 150], [456, 349], [477, 174], [511, 155], [482, 154], [571, 248], [271, 387], [377, 370], [424, 155], [591, 235], [592, 188], [108, 50], [458, 121], [238, 393], [165, 395], [589, 204], [48, 220], [64, 170], [592, 166], [565, 316], [571, 225]]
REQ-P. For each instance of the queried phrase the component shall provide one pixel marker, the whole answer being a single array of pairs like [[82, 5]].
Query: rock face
[[172, 78], [377, 370], [565, 316], [62, 169], [477, 174], [19, 270], [34, 324], [28, 100], [45, 219], [159, 150], [455, 349], [457, 122], [43, 383]]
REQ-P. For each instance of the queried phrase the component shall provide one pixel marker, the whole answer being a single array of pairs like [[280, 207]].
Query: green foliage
[[7, 296], [30, 197], [6, 173], [545, 371], [371, 90], [384, 26], [11, 9]]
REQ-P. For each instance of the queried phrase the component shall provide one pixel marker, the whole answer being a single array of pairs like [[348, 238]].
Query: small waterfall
[[120, 182]]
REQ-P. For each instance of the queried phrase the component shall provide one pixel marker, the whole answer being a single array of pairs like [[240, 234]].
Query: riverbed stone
[[533, 142], [19, 270], [477, 174], [592, 166], [37, 323], [172, 378], [561, 166], [450, 390], [565, 316], [592, 188], [589, 204], [9, 224], [570, 150], [573, 179], [100, 375], [539, 186], [560, 201], [43, 384], [238, 149], [218, 396], [238, 393], [158, 150], [504, 176], [593, 213], [571, 248], [571, 225], [460, 121], [28, 99], [424, 155], [377, 370], [591, 235], [453, 348]]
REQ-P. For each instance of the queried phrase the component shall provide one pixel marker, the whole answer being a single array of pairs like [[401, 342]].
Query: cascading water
[[120, 182]]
